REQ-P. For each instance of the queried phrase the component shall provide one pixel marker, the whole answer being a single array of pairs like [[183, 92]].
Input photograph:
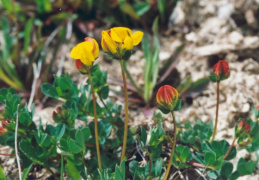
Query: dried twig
[[36, 72]]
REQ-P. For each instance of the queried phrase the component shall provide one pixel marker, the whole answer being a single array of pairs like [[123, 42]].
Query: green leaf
[[2, 175], [49, 90], [163, 110], [235, 175], [27, 34], [161, 4], [26, 172], [7, 5], [134, 169], [87, 133], [72, 170], [213, 78], [141, 8], [178, 105], [104, 92], [32, 153], [185, 84], [213, 174], [226, 170], [184, 153], [60, 131], [210, 158], [158, 166], [143, 135], [197, 87], [118, 174], [90, 108], [80, 138], [74, 146], [244, 167], [129, 10], [218, 163], [122, 167], [220, 148]]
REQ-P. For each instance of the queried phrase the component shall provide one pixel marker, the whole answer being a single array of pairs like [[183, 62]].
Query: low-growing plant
[[102, 147]]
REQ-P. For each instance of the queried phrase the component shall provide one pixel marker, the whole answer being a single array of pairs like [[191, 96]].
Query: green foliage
[[39, 144], [2, 175]]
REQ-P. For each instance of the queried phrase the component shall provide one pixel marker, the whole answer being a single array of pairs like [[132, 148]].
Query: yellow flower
[[86, 51], [118, 40]]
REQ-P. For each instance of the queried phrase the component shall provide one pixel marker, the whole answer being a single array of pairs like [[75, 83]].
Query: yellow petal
[[75, 53], [108, 43], [137, 37], [128, 44], [85, 46], [105, 49], [119, 34], [96, 49], [87, 58]]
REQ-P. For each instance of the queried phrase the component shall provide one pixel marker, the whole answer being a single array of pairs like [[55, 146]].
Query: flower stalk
[[95, 124], [230, 148], [126, 112], [217, 112], [173, 148]]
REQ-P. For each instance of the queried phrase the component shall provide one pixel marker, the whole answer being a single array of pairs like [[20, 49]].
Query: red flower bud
[[59, 109], [83, 69], [221, 70], [167, 97], [5, 123], [54, 114], [2, 127], [242, 129]]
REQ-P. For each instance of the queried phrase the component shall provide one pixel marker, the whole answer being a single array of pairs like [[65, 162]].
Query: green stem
[[217, 112], [62, 168], [126, 112], [139, 91], [95, 124], [231, 146], [173, 148], [150, 163]]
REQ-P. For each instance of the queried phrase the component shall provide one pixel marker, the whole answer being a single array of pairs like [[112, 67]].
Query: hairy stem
[[126, 112], [217, 112], [173, 148], [95, 124]]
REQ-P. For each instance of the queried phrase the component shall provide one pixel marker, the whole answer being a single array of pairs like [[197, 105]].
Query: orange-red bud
[[83, 69], [167, 97], [242, 129], [221, 70]]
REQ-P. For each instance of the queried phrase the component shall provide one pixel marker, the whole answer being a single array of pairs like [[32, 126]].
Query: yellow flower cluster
[[115, 41], [119, 39]]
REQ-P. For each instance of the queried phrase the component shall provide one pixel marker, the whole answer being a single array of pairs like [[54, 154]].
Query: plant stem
[[62, 168], [231, 146], [217, 112], [95, 124], [173, 148], [150, 163], [126, 112]]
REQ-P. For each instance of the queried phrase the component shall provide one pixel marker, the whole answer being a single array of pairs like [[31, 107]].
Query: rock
[[235, 37], [246, 108]]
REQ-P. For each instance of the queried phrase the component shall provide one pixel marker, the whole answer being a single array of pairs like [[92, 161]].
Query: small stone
[[235, 37], [164, 55], [246, 108]]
